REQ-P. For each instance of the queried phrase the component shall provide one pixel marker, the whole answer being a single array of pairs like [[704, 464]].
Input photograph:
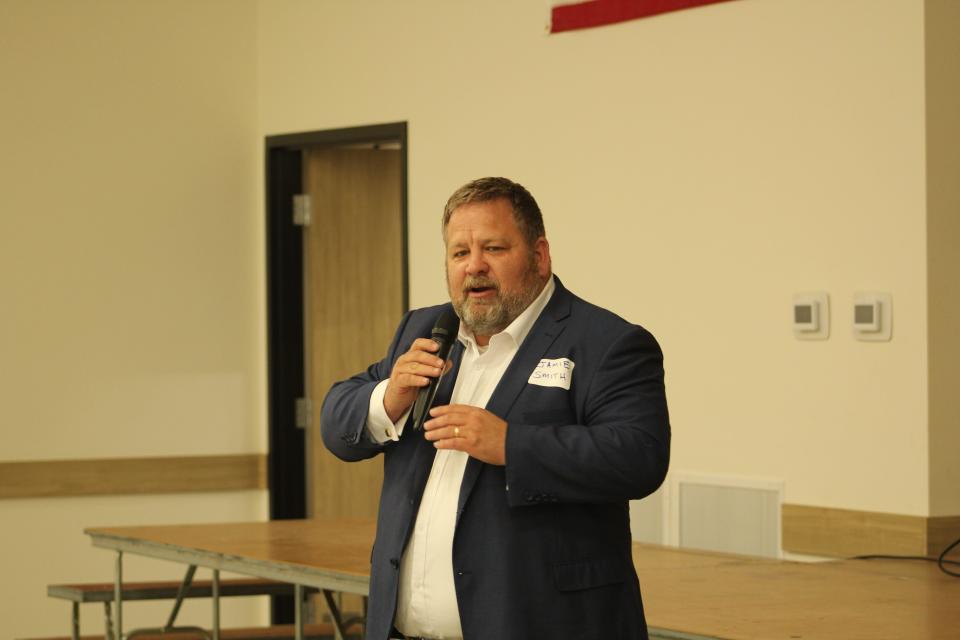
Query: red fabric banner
[[582, 15]]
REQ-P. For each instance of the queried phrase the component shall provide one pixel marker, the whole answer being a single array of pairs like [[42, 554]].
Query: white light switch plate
[[882, 329], [811, 316]]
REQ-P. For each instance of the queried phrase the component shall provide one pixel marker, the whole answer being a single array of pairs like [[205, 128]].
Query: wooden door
[[353, 280]]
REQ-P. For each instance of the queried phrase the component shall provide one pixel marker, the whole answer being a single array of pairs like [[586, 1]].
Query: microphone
[[444, 334]]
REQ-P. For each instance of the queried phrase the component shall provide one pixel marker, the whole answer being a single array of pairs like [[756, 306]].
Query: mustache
[[475, 282]]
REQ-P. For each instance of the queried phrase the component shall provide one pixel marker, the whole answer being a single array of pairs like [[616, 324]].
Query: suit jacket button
[[394, 563]]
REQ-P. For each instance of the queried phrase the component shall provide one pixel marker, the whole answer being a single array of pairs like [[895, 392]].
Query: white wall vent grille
[[720, 513]]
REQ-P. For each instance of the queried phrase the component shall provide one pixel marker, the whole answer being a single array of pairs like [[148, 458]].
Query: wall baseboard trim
[[124, 476], [844, 533], [941, 532]]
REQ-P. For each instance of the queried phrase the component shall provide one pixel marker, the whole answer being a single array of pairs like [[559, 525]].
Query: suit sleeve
[[343, 417], [622, 449]]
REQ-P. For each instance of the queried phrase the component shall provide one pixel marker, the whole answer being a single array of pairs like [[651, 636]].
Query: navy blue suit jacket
[[542, 546]]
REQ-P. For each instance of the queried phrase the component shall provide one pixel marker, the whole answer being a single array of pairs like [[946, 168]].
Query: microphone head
[[445, 331]]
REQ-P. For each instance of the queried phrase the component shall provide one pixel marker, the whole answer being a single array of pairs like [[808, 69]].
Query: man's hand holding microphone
[[414, 381]]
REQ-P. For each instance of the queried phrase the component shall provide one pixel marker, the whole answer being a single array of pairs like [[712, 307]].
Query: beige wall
[[696, 170], [131, 273], [942, 22]]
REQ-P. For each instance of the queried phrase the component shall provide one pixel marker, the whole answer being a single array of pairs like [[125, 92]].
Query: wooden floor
[[713, 595]]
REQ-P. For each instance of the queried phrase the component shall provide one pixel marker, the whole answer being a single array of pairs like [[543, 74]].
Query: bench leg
[[107, 621]]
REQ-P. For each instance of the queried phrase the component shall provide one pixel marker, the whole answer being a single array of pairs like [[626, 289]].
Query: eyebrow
[[497, 239]]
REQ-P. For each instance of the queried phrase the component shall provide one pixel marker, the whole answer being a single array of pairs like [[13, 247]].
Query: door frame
[[286, 456]]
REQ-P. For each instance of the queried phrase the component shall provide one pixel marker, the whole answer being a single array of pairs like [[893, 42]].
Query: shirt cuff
[[379, 427]]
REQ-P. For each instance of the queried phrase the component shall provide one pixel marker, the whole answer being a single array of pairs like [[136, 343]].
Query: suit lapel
[[545, 330]]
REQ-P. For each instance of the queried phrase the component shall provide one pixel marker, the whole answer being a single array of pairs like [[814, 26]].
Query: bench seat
[[275, 632], [166, 590]]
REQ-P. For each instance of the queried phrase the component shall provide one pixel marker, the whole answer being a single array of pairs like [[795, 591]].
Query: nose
[[476, 264]]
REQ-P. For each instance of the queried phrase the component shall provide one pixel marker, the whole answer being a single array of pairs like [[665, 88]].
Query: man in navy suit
[[507, 516]]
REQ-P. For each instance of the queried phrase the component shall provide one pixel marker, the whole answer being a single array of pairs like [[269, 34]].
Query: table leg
[[118, 596], [334, 613], [298, 611], [75, 622], [181, 594], [215, 592]]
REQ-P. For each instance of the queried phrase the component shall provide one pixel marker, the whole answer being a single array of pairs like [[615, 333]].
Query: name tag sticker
[[553, 373]]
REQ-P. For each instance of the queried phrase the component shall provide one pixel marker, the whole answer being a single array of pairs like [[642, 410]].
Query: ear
[[541, 249]]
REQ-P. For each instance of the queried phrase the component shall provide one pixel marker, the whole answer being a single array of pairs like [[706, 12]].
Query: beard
[[491, 316]]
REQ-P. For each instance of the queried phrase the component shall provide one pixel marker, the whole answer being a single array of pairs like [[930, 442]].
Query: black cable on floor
[[941, 560]]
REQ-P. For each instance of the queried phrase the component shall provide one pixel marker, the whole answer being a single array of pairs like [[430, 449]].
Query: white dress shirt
[[427, 599]]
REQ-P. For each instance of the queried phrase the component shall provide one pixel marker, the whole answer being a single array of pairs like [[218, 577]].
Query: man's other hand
[[472, 430]]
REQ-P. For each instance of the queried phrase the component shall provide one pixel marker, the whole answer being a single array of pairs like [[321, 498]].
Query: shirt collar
[[521, 325]]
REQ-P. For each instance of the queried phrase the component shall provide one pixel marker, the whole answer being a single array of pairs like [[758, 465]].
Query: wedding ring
[[456, 432]]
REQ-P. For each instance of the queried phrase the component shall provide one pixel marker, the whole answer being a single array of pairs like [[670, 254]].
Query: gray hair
[[526, 212]]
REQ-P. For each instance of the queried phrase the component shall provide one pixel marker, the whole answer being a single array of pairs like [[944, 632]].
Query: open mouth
[[480, 288], [479, 292]]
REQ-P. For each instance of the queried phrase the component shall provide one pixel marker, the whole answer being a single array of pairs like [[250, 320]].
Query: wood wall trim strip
[[844, 533], [941, 532], [123, 476]]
